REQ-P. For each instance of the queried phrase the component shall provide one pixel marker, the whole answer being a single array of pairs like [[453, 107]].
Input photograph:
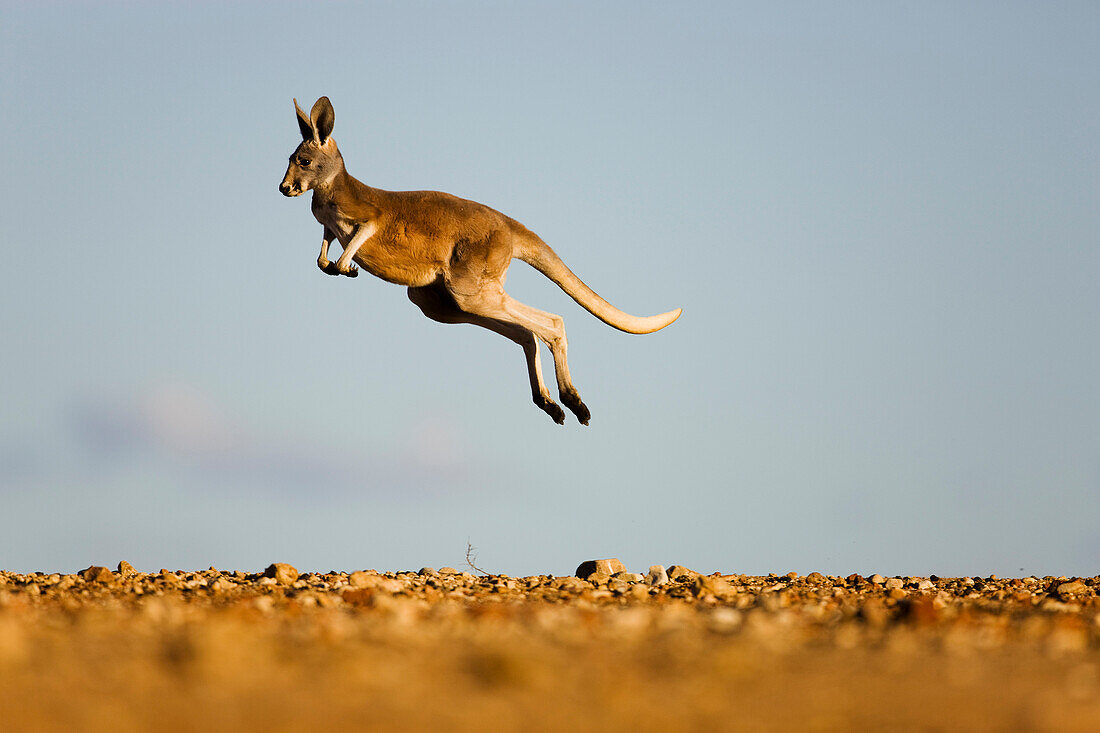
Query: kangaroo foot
[[551, 408], [572, 400], [352, 271], [329, 268]]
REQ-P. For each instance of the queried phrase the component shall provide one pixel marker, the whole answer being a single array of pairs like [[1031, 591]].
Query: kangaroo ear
[[322, 117], [304, 123]]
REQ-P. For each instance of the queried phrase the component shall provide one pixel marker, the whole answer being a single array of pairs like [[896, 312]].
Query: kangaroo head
[[316, 161]]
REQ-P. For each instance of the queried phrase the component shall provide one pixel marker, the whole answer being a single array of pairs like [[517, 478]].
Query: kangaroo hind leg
[[437, 304], [549, 328]]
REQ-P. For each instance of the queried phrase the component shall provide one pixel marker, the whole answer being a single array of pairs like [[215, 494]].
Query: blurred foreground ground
[[216, 650]]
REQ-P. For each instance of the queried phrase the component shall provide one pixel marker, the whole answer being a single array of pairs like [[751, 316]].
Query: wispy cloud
[[185, 432]]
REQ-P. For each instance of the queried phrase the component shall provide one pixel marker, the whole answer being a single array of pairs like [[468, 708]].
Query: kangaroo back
[[538, 255]]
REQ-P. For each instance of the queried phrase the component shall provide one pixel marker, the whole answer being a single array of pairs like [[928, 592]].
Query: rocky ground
[[668, 650]]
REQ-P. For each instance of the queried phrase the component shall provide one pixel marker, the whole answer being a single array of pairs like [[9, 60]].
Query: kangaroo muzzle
[[288, 189]]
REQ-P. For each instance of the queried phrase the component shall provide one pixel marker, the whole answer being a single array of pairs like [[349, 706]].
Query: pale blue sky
[[881, 222]]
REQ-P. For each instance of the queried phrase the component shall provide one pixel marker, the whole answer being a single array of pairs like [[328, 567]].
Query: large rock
[[608, 567]]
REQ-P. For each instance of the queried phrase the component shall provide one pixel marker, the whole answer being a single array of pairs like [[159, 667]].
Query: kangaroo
[[451, 254]]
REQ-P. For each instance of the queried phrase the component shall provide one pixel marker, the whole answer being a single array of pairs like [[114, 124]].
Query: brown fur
[[451, 253]]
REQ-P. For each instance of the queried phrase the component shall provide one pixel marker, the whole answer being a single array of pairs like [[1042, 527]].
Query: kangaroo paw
[[578, 408], [353, 272], [329, 268]]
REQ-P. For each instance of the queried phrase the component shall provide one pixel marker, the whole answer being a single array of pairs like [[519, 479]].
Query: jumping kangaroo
[[452, 254]]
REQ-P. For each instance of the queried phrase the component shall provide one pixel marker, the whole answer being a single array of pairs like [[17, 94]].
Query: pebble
[[892, 583], [656, 575], [877, 579], [282, 573], [606, 567], [447, 571], [125, 569], [427, 571], [925, 585]]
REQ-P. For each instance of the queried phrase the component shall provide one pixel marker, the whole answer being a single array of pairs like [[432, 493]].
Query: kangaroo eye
[[304, 162]]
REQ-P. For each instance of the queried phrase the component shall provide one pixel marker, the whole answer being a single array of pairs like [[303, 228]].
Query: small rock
[[921, 611], [618, 587], [125, 569], [877, 579], [606, 567], [265, 604], [656, 575], [815, 578], [892, 583], [704, 585], [1072, 589], [874, 613], [679, 573], [569, 582], [97, 574], [724, 620], [281, 572], [65, 582], [629, 577], [925, 585], [448, 571], [361, 579], [220, 585], [373, 581], [427, 571]]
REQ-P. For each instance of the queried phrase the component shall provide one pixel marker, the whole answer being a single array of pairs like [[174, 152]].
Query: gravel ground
[[665, 650]]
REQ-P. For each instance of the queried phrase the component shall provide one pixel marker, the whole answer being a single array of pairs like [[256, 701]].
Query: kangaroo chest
[[381, 253], [326, 213]]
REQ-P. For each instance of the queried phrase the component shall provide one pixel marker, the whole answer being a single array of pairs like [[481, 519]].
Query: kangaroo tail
[[538, 255]]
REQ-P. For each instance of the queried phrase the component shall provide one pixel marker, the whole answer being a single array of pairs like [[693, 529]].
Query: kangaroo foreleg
[[322, 259], [362, 233]]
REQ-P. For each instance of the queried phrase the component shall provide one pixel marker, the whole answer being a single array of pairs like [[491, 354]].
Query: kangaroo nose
[[284, 189]]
